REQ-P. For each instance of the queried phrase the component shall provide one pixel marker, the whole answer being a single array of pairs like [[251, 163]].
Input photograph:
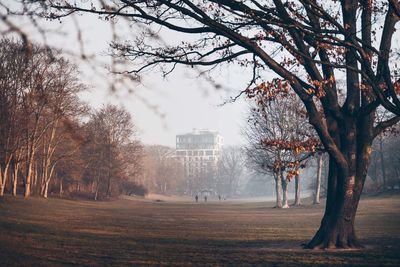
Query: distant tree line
[[384, 170], [164, 173], [45, 145]]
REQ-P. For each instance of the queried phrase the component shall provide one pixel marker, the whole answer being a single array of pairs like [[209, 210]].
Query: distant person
[[205, 198], [197, 198], [219, 197]]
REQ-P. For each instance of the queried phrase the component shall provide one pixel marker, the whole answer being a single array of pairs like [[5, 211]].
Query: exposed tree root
[[333, 241]]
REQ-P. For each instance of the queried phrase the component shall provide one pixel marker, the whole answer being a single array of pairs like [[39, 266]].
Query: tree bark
[[47, 178], [96, 193], [284, 191], [297, 201], [42, 184], [15, 179], [97, 188], [382, 161], [318, 182], [337, 226], [46, 189], [2, 190], [345, 187], [108, 193], [29, 172], [61, 187], [278, 191], [3, 180], [4, 176]]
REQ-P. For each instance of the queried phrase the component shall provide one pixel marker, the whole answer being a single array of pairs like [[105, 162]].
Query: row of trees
[[39, 105], [164, 173], [52, 143], [43, 140]]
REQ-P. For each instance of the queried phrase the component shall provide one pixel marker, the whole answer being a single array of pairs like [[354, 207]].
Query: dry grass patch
[[56, 232]]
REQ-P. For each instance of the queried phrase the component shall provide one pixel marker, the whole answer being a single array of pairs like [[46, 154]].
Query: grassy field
[[54, 232]]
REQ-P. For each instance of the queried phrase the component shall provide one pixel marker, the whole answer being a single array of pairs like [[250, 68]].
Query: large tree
[[308, 44]]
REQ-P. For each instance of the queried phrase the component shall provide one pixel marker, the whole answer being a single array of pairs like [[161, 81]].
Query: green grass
[[54, 232]]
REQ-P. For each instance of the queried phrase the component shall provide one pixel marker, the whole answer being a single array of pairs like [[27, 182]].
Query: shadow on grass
[[35, 245]]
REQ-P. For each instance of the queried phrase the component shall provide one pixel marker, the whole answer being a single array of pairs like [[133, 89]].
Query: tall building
[[199, 152]]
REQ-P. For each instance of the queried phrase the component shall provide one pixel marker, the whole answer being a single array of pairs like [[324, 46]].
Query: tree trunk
[[16, 165], [285, 193], [35, 179], [97, 188], [42, 185], [318, 182], [297, 199], [61, 187], [278, 191], [3, 176], [2, 190], [15, 179], [47, 177], [382, 161], [344, 187], [96, 193], [108, 193], [46, 188], [92, 187], [28, 179], [337, 228]]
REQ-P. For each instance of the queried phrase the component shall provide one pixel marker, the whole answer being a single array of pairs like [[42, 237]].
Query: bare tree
[[163, 172], [280, 140], [317, 192], [230, 169], [110, 137]]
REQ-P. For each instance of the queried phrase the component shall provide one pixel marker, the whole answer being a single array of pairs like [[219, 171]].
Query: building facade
[[199, 152]]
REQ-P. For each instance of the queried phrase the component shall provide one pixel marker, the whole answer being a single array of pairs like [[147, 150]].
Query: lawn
[[55, 232]]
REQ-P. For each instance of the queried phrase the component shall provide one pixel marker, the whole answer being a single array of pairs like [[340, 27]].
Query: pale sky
[[182, 100]]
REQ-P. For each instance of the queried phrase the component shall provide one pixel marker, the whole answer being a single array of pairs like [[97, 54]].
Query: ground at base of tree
[[56, 232]]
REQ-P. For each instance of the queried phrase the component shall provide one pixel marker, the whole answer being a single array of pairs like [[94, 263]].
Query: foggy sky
[[160, 107]]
